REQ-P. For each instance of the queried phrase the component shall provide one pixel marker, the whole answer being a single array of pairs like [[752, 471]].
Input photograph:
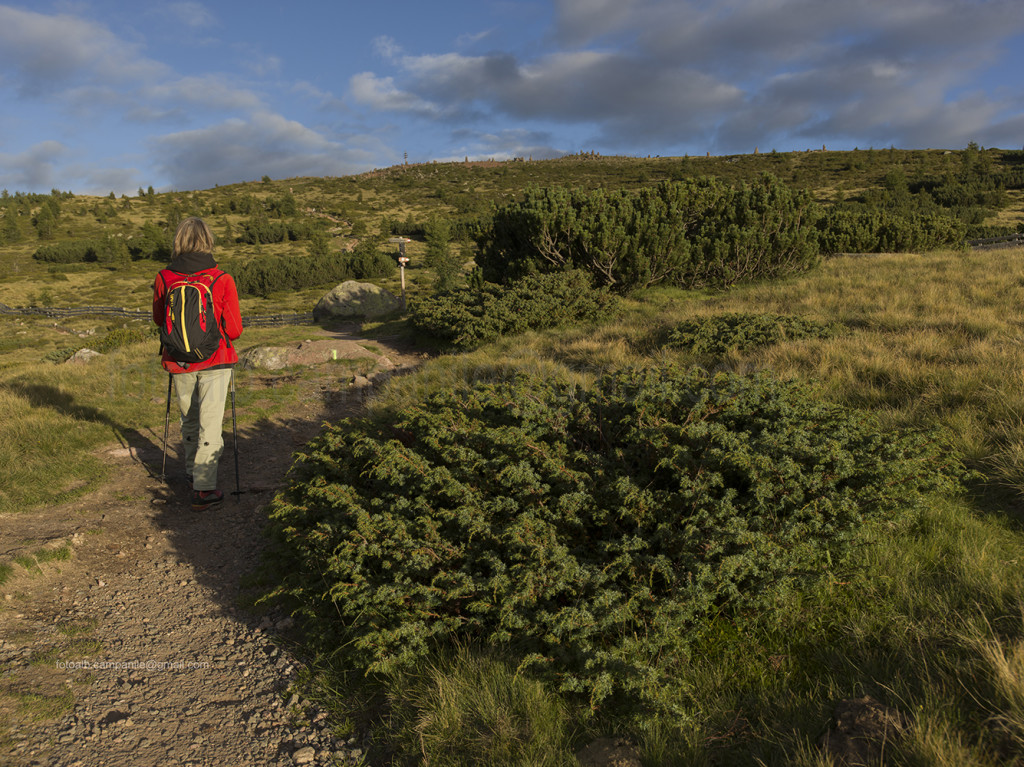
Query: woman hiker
[[195, 305]]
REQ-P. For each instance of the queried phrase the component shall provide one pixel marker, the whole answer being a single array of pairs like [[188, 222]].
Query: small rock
[[609, 752], [304, 755], [863, 729], [83, 356]]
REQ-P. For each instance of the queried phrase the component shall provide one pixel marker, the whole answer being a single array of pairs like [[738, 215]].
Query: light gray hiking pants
[[201, 398]]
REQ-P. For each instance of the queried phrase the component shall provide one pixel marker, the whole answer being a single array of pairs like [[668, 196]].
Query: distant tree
[[9, 231], [45, 223], [319, 244], [440, 256], [438, 235], [175, 215], [113, 251]]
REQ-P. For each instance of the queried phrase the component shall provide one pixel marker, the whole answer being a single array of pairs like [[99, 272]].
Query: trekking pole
[[167, 424], [234, 437]]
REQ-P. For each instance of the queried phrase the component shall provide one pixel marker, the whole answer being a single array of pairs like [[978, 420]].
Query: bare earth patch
[[140, 648]]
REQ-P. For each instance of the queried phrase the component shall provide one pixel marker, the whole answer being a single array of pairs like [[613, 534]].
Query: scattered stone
[[82, 356], [862, 733], [609, 752], [164, 666], [305, 354]]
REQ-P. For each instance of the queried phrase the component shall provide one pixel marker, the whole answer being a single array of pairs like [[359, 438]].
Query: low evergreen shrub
[[367, 261], [726, 332], [693, 233], [70, 252], [125, 335], [585, 532], [844, 230], [269, 274], [467, 317]]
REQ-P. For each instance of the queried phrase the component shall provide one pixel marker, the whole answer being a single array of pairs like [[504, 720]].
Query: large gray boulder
[[353, 299]]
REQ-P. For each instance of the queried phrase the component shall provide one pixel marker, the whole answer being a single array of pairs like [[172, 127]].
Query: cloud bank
[[89, 105], [732, 75]]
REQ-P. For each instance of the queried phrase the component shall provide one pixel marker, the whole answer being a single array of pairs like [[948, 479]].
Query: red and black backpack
[[190, 331]]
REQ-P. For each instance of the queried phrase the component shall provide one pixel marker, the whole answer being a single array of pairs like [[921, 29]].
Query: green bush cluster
[[467, 317], [151, 242], [587, 532], [262, 231], [727, 332], [109, 250], [842, 230], [266, 275], [115, 338], [125, 335], [692, 233]]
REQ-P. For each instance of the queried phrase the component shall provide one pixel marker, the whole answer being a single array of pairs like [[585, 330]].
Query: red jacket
[[225, 308]]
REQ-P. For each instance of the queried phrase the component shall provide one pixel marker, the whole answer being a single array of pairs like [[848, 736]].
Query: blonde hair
[[192, 236]]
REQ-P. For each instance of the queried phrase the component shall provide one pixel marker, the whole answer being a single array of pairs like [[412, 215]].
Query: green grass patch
[[74, 649], [78, 628], [722, 333], [40, 708]]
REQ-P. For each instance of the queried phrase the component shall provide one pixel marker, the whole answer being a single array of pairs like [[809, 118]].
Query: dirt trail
[[138, 649]]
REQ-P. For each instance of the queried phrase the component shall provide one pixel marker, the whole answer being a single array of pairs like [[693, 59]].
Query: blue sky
[[99, 96]]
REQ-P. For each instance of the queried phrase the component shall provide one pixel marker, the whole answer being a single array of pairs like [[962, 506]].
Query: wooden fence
[[998, 242], [259, 320]]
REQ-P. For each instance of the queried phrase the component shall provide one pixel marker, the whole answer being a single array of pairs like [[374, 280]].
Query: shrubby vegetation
[[693, 233], [260, 230], [470, 316], [586, 531], [151, 242], [843, 230], [115, 338], [263, 276], [109, 250], [723, 333]]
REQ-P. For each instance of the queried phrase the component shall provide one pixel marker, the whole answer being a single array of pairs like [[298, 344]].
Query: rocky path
[[142, 647]]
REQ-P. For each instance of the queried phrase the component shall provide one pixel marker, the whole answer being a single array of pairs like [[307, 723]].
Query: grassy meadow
[[929, 620]]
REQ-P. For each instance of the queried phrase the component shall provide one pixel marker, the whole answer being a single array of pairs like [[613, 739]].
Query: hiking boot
[[204, 499]]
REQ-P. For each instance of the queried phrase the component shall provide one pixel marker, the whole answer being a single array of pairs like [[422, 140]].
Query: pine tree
[[9, 231]]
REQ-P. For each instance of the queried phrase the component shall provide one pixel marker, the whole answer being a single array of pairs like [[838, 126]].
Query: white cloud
[[33, 168], [581, 21], [386, 47], [730, 75], [191, 14], [503, 145], [45, 54], [381, 93], [237, 150], [206, 91], [470, 39]]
